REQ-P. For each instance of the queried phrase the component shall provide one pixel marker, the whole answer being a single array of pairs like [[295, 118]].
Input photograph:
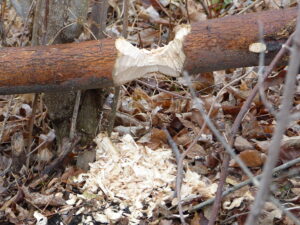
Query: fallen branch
[[210, 45]]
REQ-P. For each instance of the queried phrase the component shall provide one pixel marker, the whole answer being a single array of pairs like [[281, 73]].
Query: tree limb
[[211, 45]]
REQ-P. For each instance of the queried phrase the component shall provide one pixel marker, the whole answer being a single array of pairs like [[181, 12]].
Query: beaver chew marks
[[133, 63]]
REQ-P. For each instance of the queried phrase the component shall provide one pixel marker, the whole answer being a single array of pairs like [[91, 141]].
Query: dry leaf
[[43, 200], [242, 144], [262, 145], [196, 151], [196, 219], [290, 149], [270, 212], [235, 203], [252, 158]]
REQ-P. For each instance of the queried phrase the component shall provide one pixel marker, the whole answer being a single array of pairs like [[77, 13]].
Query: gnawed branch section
[[211, 45], [133, 63]]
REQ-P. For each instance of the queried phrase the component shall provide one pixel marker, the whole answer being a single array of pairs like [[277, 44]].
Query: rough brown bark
[[93, 99], [54, 22], [212, 45], [224, 43], [57, 67]]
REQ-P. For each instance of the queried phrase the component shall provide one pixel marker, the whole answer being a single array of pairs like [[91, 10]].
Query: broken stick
[[205, 46]]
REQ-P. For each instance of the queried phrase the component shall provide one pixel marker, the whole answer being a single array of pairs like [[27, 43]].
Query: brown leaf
[[196, 219], [158, 119], [176, 124], [207, 103], [272, 81], [70, 172], [183, 137], [179, 106], [252, 158], [158, 135], [253, 129], [242, 144], [146, 37], [262, 145], [231, 109], [163, 100], [12, 127], [196, 151], [243, 86], [43, 200], [154, 139], [290, 149], [204, 82], [211, 161]]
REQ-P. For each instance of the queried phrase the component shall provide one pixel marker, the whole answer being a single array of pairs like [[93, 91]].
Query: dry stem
[[283, 119], [237, 123]]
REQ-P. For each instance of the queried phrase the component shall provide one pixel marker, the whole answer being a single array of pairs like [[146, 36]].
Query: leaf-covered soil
[[133, 180]]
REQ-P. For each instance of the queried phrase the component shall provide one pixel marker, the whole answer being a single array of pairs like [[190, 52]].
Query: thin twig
[[178, 186], [99, 15], [285, 210], [75, 115], [221, 139], [117, 89], [224, 88], [226, 158], [234, 216], [262, 95], [58, 32], [218, 199], [243, 184], [250, 6], [187, 11], [3, 33], [172, 144], [26, 21], [162, 90], [164, 10], [238, 120], [125, 19], [7, 169], [182, 157], [179, 171], [66, 147], [37, 148], [30, 127], [283, 119]]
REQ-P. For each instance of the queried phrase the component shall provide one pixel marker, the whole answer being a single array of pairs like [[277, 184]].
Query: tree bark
[[224, 43], [55, 22], [93, 99], [212, 45]]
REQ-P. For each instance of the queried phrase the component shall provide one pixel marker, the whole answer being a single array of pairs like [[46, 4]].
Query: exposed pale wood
[[212, 45]]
